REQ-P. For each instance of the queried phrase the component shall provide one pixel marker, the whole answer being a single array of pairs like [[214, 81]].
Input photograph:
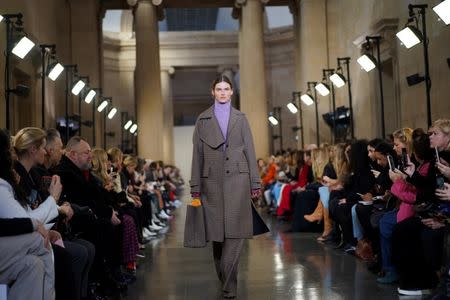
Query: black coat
[[80, 190], [15, 226]]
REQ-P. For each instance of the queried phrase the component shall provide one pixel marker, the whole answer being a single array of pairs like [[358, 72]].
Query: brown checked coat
[[224, 172]]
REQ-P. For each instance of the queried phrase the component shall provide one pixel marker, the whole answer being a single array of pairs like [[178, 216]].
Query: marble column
[[253, 100], [311, 56], [168, 150], [149, 101]]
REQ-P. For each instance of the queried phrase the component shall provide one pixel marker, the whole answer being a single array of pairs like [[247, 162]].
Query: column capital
[[157, 3], [135, 2]]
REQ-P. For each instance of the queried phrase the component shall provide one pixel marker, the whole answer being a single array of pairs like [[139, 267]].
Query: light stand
[[296, 100], [73, 70], [94, 107], [44, 50], [309, 85], [80, 99], [377, 40], [421, 8], [346, 61], [9, 32], [326, 73]]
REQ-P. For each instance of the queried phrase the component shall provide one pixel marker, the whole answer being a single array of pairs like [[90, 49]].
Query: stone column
[[168, 147], [253, 100], [149, 103], [311, 56]]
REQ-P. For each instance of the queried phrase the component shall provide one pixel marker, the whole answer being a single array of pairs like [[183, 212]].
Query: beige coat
[[224, 172]]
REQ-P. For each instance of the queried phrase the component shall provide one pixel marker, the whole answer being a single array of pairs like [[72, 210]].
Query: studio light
[[90, 96], [102, 106], [78, 87], [409, 36], [133, 128], [273, 120], [128, 125], [367, 62], [55, 70], [443, 11], [112, 113], [322, 88], [23, 47], [292, 107], [1, 18], [307, 99], [338, 80]]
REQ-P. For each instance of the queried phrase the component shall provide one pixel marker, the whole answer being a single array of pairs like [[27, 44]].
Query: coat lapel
[[234, 116], [211, 133]]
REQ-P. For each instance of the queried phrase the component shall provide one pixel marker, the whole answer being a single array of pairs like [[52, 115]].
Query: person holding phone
[[225, 177]]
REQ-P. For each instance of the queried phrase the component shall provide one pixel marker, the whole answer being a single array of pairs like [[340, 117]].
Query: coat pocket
[[243, 167]]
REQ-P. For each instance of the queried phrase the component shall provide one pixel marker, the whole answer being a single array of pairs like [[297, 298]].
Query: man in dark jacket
[[97, 221]]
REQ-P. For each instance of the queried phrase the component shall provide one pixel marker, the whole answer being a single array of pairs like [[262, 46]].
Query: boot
[[317, 215], [327, 225]]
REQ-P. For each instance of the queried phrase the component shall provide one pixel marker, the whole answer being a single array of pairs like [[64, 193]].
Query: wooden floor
[[275, 266]]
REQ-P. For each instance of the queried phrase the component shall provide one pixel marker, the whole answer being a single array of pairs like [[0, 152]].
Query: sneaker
[[163, 215], [390, 277], [148, 232], [349, 249], [413, 292], [156, 226]]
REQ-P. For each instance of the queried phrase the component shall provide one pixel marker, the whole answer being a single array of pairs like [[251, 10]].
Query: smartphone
[[404, 158], [45, 182], [391, 162]]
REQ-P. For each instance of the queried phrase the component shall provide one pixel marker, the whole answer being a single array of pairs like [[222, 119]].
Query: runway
[[278, 265]]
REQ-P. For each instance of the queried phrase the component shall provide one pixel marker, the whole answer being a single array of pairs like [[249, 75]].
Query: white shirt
[[11, 208]]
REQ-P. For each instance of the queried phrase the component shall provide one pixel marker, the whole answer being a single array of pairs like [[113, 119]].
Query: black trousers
[[64, 276], [373, 234], [304, 204], [343, 216], [417, 253]]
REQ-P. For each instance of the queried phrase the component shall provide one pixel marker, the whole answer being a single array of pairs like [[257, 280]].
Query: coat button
[[227, 158], [228, 172]]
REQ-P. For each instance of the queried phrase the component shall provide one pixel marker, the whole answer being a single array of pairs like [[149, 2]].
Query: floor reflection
[[275, 266]]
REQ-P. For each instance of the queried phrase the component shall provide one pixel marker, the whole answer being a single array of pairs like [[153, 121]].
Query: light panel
[[90, 96], [78, 87], [133, 128], [273, 120], [23, 47], [128, 125], [443, 11], [292, 107], [322, 89], [55, 71], [102, 106], [367, 62], [338, 80], [1, 18], [307, 99], [112, 113], [408, 36]]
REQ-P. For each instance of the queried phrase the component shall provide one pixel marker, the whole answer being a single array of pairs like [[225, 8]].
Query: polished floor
[[274, 266]]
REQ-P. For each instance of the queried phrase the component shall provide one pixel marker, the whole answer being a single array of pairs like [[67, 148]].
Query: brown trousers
[[226, 258]]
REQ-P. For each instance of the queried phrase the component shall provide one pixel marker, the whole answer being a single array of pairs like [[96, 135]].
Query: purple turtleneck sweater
[[222, 113]]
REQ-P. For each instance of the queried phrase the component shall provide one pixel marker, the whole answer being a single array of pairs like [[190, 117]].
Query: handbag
[[194, 227]]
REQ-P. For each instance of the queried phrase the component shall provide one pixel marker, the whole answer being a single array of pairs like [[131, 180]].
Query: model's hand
[[256, 193]]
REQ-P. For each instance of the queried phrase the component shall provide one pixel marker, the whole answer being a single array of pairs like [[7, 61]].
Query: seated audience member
[[97, 220], [26, 263], [417, 242], [82, 252]]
